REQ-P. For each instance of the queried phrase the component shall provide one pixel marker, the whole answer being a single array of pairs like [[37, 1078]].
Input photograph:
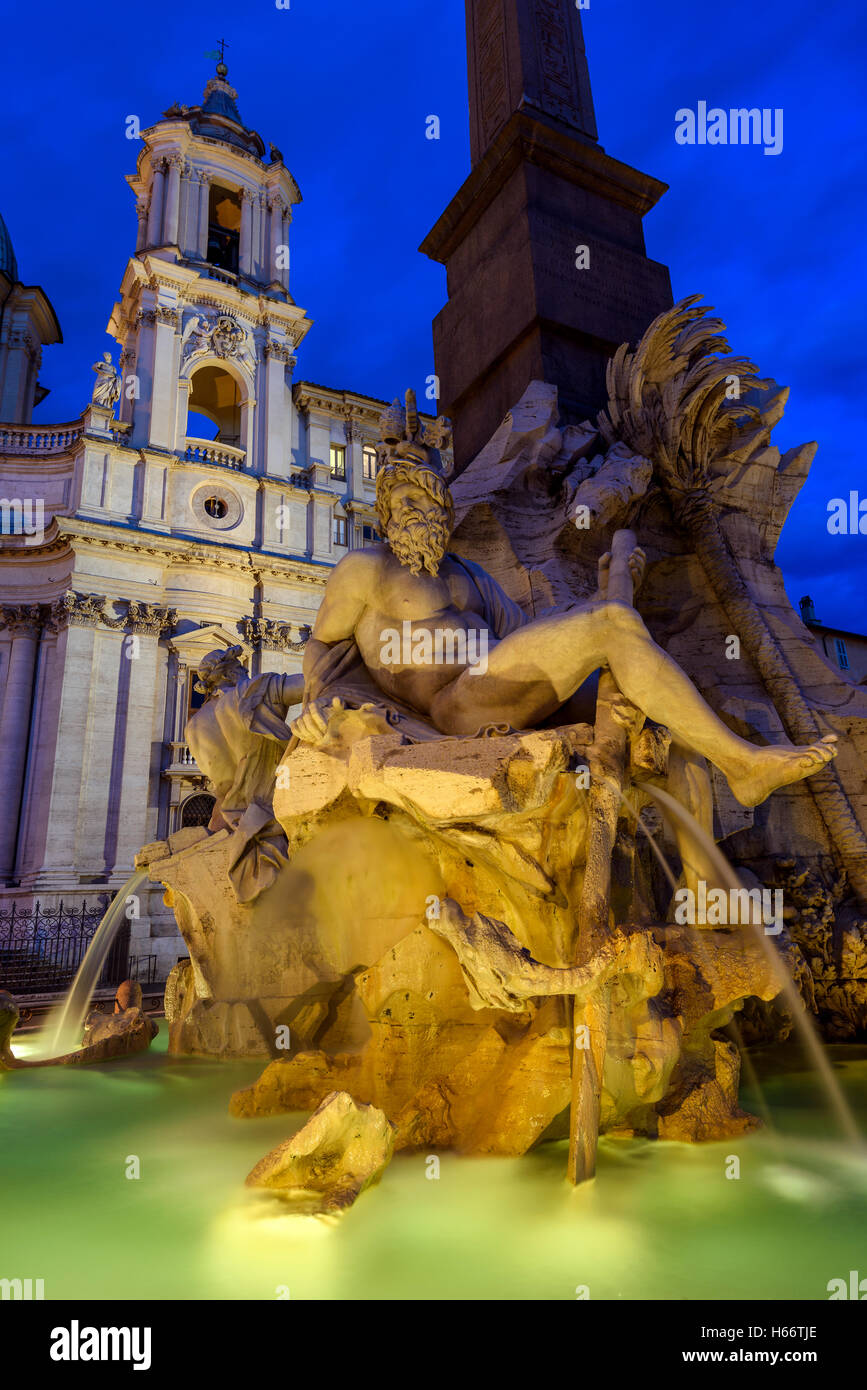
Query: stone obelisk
[[543, 244]]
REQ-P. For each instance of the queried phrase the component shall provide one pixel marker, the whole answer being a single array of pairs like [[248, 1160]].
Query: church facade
[[200, 501]]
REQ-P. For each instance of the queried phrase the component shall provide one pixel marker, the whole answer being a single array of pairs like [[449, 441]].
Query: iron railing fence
[[42, 948]]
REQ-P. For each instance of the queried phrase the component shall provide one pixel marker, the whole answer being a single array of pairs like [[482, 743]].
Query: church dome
[[8, 263], [218, 117]]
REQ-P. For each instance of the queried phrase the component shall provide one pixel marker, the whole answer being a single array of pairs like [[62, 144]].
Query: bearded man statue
[[400, 621]]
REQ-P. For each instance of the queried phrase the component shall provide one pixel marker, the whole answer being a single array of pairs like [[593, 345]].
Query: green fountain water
[[662, 1220], [145, 1146]]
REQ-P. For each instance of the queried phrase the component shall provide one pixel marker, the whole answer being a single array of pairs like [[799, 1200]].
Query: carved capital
[[27, 618], [274, 636], [149, 619], [281, 352], [166, 315], [89, 610], [73, 609]]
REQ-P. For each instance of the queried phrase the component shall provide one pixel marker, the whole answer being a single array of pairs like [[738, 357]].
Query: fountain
[[434, 907], [60, 1040]]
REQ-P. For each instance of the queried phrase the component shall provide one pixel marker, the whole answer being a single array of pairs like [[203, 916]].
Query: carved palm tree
[[679, 401]]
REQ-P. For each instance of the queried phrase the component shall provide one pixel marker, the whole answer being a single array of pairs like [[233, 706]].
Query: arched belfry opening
[[224, 228], [215, 406]]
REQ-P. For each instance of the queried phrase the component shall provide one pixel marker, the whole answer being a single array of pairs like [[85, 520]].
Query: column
[[256, 236], [173, 201], [164, 395], [134, 785], [155, 215], [58, 856], [204, 213], [100, 774], [24, 623], [283, 275], [40, 749], [276, 434], [262, 257], [354, 483], [245, 250], [188, 221], [126, 364], [269, 273], [142, 214]]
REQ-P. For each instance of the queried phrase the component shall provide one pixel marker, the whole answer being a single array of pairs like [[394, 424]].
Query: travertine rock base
[[342, 1149], [488, 1082]]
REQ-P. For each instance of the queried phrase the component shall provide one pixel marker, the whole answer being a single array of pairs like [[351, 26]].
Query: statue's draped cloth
[[238, 740]]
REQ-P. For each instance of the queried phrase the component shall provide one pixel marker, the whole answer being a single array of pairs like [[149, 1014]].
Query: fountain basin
[[662, 1221]]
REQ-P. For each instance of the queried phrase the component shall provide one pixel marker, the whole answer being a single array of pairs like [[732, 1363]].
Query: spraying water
[[63, 1031], [802, 1021]]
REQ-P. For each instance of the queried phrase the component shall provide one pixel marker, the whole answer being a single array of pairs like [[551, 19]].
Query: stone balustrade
[[209, 451], [182, 757], [30, 439]]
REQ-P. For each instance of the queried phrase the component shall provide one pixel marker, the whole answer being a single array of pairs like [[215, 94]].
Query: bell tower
[[206, 323]]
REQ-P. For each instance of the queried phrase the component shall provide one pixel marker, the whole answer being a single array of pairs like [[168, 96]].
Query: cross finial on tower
[[221, 66]]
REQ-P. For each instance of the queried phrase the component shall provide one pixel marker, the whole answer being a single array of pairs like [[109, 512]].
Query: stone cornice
[[537, 141], [183, 550], [362, 411]]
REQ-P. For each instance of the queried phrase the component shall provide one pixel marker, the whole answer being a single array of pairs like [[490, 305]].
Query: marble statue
[[411, 584], [432, 878], [106, 388], [238, 738]]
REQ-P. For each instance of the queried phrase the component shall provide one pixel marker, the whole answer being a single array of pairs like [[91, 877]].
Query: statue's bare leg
[[535, 669]]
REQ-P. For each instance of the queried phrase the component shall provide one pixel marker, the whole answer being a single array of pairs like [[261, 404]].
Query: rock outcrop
[[451, 1075], [343, 1149]]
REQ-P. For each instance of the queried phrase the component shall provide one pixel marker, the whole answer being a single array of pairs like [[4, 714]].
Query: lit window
[[216, 507], [842, 654], [338, 462], [340, 531], [368, 458]]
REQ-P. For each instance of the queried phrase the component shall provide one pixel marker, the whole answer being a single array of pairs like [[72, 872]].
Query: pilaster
[[24, 623]]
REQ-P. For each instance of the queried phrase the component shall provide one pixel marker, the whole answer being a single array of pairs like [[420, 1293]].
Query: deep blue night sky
[[344, 87]]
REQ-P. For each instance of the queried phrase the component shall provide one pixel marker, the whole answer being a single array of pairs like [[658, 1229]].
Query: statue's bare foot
[[772, 768]]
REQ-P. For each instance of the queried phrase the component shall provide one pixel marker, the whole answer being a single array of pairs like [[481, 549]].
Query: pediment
[[192, 646]]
